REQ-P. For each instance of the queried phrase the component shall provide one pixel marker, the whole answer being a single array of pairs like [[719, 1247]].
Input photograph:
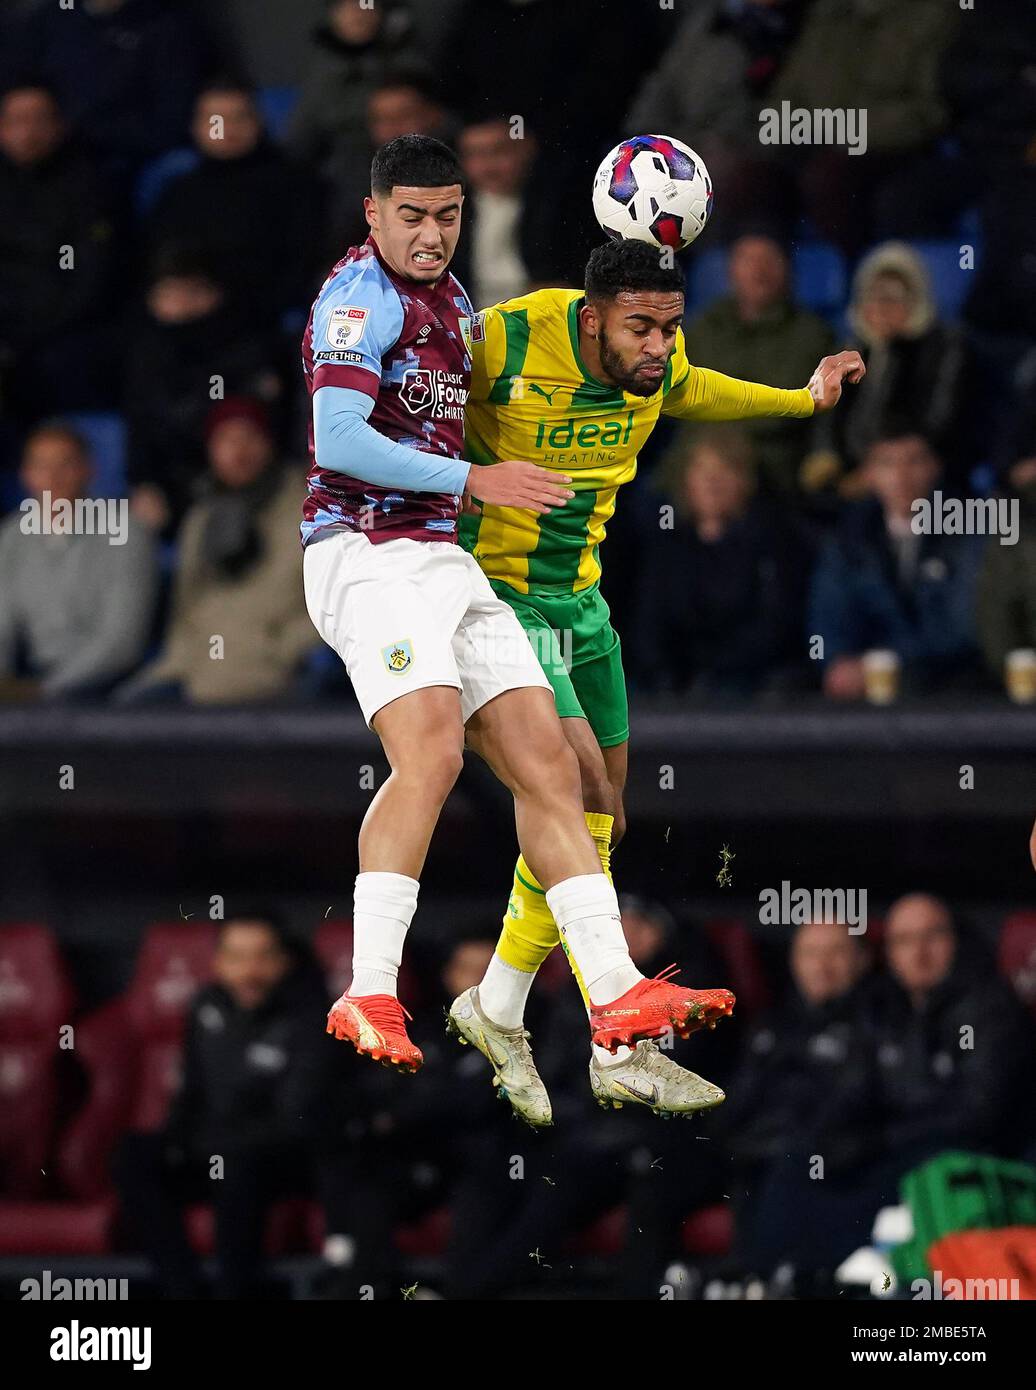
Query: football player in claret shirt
[[576, 382], [431, 651]]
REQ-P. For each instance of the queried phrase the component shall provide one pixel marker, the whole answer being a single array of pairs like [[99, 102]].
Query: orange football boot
[[374, 1024], [653, 1007]]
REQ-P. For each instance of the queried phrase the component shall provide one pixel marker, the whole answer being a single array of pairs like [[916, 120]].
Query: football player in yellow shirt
[[575, 382]]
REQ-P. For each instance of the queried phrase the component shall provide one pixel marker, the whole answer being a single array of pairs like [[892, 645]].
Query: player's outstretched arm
[[825, 385], [516, 483]]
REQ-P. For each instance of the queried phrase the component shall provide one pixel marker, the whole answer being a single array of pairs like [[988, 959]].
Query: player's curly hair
[[414, 161], [630, 265]]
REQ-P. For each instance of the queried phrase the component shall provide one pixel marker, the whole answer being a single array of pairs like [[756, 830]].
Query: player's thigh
[[520, 736]]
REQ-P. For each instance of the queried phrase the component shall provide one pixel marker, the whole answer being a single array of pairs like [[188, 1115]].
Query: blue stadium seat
[[105, 433], [819, 277], [276, 105], [706, 277], [154, 177], [950, 284]]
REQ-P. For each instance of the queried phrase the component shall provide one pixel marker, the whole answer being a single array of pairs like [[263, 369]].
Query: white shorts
[[407, 614]]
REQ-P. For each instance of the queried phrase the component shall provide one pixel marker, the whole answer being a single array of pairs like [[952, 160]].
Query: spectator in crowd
[[253, 1096], [406, 101], [76, 599], [722, 588], [125, 72], [190, 346], [1007, 584], [954, 1047], [915, 367], [512, 239], [758, 333], [57, 262], [879, 58], [247, 208], [802, 1089], [883, 583], [407, 1151], [354, 49], [590, 1165], [577, 117], [707, 91], [239, 575]]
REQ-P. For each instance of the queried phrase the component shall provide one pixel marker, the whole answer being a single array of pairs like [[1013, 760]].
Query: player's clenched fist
[[825, 385], [516, 483]]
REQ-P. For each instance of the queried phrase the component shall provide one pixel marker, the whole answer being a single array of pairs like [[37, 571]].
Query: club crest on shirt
[[478, 328], [465, 330], [399, 656], [345, 326]]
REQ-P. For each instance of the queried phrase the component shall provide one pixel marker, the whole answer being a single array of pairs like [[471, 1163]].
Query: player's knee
[[434, 767]]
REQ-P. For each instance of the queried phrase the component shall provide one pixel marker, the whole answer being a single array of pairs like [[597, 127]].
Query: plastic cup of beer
[[1020, 675], [881, 677]]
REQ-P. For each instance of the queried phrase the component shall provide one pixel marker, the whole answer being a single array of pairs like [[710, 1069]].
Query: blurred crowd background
[[161, 365]]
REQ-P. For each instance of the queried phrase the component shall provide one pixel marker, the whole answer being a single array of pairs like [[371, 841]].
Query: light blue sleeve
[[345, 443], [357, 319]]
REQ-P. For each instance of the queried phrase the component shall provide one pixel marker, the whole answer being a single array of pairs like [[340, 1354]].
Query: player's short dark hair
[[414, 161], [619, 266]]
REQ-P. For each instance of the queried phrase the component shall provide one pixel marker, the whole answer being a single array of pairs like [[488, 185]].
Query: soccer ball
[[653, 188]]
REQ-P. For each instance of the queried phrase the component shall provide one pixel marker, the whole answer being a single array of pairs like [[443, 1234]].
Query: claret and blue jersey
[[406, 347]]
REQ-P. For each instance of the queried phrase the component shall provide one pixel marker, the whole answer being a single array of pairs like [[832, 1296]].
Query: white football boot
[[648, 1078], [508, 1052]]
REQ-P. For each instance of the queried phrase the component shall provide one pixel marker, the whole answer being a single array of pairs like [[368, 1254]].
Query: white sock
[[587, 913], [383, 908], [503, 992], [605, 1058]]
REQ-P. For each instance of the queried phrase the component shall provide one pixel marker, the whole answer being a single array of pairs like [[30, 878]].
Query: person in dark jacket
[[252, 1105], [916, 367], [588, 1161], [884, 584], [723, 585], [190, 347], [125, 70], [801, 1092], [353, 49], [248, 209], [954, 1047], [58, 257]]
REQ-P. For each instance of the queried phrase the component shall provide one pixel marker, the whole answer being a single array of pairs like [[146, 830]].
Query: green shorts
[[581, 656]]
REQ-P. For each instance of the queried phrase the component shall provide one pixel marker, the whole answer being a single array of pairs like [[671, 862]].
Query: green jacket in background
[[781, 349], [881, 56], [1006, 603]]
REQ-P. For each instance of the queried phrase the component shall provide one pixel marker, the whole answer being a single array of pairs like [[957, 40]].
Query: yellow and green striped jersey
[[532, 398]]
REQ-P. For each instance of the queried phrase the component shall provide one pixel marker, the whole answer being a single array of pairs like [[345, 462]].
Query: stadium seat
[[429, 1236], [130, 1051], [604, 1237], [276, 105], [732, 940], [709, 1231], [286, 1231], [36, 999], [819, 277], [1016, 956], [105, 434], [706, 278], [161, 171], [56, 1228], [950, 284]]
